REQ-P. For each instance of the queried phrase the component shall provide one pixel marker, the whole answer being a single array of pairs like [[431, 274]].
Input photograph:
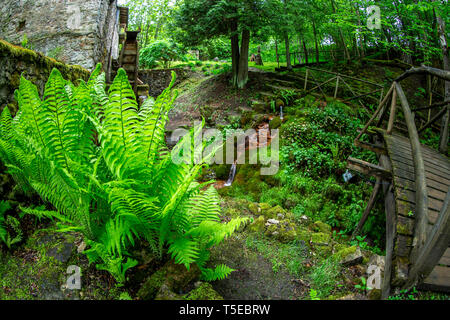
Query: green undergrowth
[[316, 140]]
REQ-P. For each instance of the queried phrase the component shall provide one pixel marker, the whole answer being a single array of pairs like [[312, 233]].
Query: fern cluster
[[9, 222], [103, 164]]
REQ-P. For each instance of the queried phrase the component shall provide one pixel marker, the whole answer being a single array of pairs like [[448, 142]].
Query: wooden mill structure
[[415, 181], [129, 55]]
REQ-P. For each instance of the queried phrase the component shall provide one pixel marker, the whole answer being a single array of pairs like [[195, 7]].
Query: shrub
[[160, 51], [103, 166]]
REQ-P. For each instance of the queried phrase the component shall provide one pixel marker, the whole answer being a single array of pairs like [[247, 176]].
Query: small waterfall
[[281, 112], [231, 176]]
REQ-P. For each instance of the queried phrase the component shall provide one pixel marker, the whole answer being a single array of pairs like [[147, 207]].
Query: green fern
[[12, 223], [103, 165]]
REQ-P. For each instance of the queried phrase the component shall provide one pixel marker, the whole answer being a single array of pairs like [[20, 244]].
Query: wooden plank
[[368, 168], [371, 147], [429, 168], [437, 241], [410, 196], [402, 141], [403, 245], [405, 225], [405, 171], [445, 260], [430, 160], [404, 177], [432, 156], [428, 157], [409, 185], [439, 279], [404, 207]]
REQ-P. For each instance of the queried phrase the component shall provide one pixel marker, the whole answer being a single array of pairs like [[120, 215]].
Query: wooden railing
[[341, 81], [427, 247]]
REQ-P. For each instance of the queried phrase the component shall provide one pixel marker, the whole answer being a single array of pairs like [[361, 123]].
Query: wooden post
[[421, 204], [337, 87], [369, 207], [393, 111], [435, 247], [375, 114], [306, 78]]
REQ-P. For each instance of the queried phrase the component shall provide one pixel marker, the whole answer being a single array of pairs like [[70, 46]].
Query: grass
[[289, 256]]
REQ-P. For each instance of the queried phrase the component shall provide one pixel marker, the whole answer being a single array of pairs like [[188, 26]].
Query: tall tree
[[200, 20]]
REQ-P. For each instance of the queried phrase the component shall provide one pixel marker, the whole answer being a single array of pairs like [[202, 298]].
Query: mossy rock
[[203, 291], [343, 253], [175, 276], [271, 212], [288, 232], [275, 123], [254, 208], [320, 238], [222, 171], [322, 227], [304, 235], [258, 226], [152, 285], [165, 293]]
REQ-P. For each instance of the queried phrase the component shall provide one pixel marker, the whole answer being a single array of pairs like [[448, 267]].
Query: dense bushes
[[103, 168], [161, 51]]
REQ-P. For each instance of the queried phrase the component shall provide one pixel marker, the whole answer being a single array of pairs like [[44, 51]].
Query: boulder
[[203, 291], [275, 123], [175, 276], [349, 256], [322, 227], [320, 238], [258, 226]]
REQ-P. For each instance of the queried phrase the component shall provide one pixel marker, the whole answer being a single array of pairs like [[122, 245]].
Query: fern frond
[[220, 272], [184, 251]]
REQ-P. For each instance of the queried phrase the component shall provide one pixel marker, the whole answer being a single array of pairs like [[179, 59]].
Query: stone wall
[[78, 32], [35, 67], [159, 79]]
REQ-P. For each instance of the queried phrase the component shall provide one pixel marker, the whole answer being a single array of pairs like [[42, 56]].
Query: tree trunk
[[234, 53], [315, 40], [288, 53], [276, 52], [242, 77], [306, 52], [443, 143]]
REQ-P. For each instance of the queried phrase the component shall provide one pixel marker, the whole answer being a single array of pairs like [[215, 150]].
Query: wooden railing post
[[393, 111], [306, 78], [337, 86], [421, 212]]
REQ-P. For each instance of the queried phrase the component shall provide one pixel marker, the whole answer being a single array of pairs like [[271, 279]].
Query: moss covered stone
[[203, 291], [258, 226], [304, 235], [175, 276], [275, 123], [322, 227], [320, 238], [152, 285]]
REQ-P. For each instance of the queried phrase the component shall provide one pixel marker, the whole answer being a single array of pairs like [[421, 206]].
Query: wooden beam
[[368, 168], [371, 147], [369, 207], [437, 243], [393, 112], [375, 114], [442, 74], [420, 180]]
